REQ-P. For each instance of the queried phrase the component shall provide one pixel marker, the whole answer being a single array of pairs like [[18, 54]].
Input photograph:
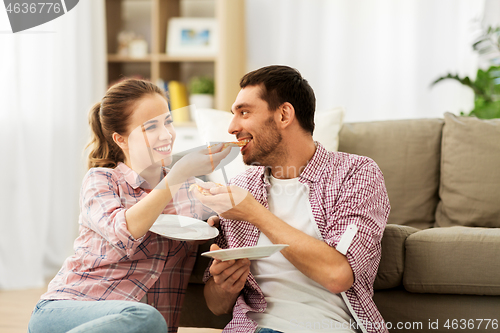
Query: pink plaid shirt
[[109, 264], [345, 190]]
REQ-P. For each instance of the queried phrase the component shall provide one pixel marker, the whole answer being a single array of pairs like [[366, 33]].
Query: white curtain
[[377, 59], [50, 77]]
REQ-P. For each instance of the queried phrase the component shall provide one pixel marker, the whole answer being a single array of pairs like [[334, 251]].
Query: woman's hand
[[198, 163]]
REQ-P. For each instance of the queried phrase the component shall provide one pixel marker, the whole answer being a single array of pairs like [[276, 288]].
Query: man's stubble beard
[[267, 148]]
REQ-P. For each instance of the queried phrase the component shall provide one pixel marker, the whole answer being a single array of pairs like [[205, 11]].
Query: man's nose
[[234, 126]]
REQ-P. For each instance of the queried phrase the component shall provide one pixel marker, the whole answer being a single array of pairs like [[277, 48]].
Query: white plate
[[251, 252], [183, 228]]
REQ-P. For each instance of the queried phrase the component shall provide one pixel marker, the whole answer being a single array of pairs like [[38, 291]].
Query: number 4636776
[[471, 324], [33, 8]]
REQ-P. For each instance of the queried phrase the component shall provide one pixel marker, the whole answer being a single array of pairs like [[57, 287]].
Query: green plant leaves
[[486, 89]]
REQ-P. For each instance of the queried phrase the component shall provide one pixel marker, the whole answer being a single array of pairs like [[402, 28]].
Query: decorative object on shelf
[[124, 38], [201, 93], [189, 36], [138, 48], [486, 87]]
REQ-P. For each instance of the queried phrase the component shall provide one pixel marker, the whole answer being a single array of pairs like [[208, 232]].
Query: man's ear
[[287, 114], [120, 141]]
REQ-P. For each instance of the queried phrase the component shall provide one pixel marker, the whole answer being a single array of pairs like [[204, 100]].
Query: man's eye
[[244, 112]]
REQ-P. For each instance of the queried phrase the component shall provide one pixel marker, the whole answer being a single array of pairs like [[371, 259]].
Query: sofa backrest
[[408, 152], [469, 188]]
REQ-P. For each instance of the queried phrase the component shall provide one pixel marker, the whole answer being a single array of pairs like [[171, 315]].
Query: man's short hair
[[282, 84]]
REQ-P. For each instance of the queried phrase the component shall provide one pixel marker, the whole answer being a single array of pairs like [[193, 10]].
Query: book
[[179, 106]]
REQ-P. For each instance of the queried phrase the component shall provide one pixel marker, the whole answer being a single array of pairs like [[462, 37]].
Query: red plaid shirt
[[109, 264], [345, 190]]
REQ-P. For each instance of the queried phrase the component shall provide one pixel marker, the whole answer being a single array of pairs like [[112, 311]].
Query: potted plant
[[201, 92], [486, 86]]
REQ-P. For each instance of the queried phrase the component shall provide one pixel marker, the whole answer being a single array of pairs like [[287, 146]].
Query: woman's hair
[[112, 115]]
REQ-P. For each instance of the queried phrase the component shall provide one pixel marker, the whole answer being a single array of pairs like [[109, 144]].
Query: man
[[330, 208]]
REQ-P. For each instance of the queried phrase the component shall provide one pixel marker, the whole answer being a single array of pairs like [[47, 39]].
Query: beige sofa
[[440, 267]]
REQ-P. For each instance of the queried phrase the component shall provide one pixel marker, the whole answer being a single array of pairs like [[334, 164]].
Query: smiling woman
[[117, 261]]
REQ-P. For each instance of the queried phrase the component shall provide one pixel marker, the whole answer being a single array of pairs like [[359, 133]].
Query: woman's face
[[151, 134]]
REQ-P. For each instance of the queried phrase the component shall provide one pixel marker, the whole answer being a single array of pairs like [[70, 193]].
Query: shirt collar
[[131, 177], [312, 171]]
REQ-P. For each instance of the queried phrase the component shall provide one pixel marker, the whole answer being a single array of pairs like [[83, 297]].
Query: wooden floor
[[16, 307]]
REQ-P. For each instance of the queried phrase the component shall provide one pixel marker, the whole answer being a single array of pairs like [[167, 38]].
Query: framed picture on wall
[[190, 36]]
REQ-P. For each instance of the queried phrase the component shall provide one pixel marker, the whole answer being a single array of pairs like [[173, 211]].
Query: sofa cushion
[[455, 260], [470, 173], [408, 153], [392, 264]]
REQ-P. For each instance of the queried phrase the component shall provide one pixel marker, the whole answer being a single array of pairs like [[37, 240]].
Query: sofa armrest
[[392, 263]]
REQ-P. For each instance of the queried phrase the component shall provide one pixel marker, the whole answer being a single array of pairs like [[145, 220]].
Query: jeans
[[56, 316], [266, 330]]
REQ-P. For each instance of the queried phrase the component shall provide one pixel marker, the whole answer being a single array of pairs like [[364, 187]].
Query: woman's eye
[[168, 121], [151, 128]]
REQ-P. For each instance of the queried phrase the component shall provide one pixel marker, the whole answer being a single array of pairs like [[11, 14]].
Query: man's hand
[[230, 276], [214, 221], [231, 202], [228, 279]]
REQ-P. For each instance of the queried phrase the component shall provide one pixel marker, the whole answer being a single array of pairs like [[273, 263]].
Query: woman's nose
[[165, 134]]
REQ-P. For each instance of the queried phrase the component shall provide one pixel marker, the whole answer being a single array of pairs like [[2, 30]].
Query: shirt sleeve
[[103, 212], [362, 208]]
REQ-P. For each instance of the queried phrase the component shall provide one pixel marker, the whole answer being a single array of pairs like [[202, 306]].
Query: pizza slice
[[240, 144]]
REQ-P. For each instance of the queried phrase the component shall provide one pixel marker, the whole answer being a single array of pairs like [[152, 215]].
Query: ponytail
[[100, 150], [111, 115]]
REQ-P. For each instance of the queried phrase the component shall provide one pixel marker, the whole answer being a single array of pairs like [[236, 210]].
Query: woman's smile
[[164, 149]]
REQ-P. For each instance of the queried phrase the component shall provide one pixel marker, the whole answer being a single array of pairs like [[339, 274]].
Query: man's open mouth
[[243, 143]]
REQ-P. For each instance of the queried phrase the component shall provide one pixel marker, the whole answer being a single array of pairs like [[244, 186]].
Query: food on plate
[[204, 191]]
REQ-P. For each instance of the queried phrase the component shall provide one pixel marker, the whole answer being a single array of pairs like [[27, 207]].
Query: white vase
[[200, 101]]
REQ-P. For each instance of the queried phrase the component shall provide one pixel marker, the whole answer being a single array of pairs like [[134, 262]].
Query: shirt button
[[162, 254], [152, 304], [153, 276], [255, 231]]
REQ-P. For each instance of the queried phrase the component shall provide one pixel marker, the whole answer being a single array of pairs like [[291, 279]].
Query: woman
[[117, 261]]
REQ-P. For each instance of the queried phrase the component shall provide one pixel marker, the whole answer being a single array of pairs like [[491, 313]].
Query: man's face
[[253, 120]]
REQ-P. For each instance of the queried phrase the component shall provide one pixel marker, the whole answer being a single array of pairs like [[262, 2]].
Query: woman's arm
[[143, 214]]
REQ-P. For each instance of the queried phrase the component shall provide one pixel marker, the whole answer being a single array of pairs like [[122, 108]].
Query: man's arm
[[227, 281], [314, 258]]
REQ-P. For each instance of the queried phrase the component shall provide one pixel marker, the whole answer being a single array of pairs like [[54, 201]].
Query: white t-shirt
[[295, 303]]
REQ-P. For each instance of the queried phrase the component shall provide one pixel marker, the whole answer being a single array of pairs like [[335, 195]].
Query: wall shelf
[[228, 66]]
